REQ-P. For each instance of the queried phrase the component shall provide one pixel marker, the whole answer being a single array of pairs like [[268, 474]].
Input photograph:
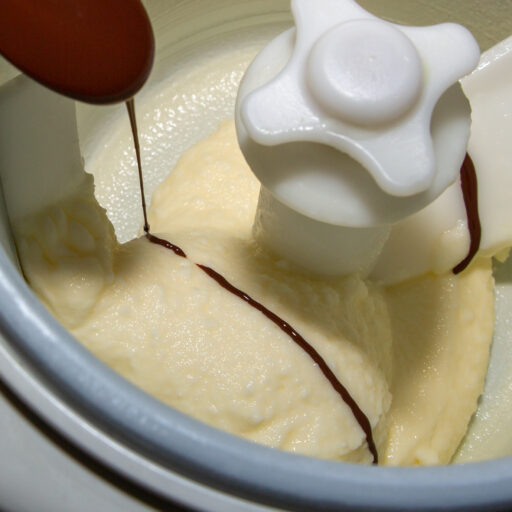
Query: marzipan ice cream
[[413, 356], [411, 351]]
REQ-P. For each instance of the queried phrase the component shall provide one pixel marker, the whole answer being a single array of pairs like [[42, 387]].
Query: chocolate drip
[[98, 51], [164, 243], [342, 391], [469, 186], [130, 105]]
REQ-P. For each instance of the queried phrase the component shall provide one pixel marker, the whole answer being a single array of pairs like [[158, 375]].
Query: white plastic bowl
[[160, 448]]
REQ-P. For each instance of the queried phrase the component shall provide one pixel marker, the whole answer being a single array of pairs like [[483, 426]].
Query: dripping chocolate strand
[[342, 391], [469, 186], [360, 416], [130, 105]]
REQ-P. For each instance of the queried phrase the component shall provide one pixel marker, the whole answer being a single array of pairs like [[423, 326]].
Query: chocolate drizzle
[[340, 389], [469, 186]]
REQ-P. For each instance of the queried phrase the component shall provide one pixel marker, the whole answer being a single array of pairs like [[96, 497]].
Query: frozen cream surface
[[413, 355]]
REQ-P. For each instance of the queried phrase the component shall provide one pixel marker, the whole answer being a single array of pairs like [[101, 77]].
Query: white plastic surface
[[388, 80], [355, 122], [364, 71]]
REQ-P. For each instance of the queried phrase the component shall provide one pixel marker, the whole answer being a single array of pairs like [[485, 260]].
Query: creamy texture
[[413, 356]]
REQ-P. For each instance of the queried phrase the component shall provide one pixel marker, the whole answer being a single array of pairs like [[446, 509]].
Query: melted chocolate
[[342, 391], [130, 105], [469, 186], [168, 245], [98, 51]]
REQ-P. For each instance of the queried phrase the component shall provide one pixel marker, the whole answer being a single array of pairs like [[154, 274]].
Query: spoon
[[96, 51]]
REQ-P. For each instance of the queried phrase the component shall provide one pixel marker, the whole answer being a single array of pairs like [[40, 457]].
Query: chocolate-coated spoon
[[97, 51]]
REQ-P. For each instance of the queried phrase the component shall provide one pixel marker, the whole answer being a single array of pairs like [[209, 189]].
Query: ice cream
[[158, 320], [412, 355]]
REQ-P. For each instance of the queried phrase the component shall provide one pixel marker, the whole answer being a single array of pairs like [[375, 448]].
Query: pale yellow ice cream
[[413, 355]]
